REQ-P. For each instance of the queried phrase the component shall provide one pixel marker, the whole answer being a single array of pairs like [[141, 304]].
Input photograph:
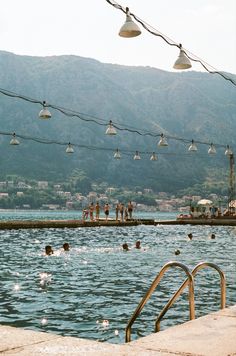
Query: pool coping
[[213, 334]]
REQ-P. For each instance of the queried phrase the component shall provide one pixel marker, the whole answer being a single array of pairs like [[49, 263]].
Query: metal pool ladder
[[188, 282]]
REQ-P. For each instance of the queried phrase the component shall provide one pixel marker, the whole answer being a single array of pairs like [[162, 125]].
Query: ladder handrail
[[185, 283], [153, 287]]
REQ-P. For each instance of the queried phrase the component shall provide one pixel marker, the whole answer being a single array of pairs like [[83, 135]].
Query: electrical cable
[[170, 42]]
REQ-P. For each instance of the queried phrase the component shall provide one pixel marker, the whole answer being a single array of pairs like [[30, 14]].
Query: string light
[[111, 129], [45, 113], [163, 142], [117, 154], [212, 149], [192, 147], [14, 140], [153, 157], [184, 54], [69, 148], [137, 156]]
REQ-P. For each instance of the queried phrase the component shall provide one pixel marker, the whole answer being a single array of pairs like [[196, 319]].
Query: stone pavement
[[211, 335]]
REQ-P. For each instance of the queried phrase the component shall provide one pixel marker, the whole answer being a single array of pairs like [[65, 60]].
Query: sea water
[[92, 290]]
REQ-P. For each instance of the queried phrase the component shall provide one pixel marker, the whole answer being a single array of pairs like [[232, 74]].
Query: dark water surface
[[92, 290]]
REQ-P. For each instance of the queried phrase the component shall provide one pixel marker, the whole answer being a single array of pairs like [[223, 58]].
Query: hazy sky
[[89, 28]]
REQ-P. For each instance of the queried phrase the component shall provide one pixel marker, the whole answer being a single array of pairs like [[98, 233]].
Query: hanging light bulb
[[153, 157], [228, 151], [212, 149], [69, 148], [14, 140], [162, 142], [182, 61], [130, 28], [117, 154], [111, 129], [192, 147], [45, 113], [137, 156]]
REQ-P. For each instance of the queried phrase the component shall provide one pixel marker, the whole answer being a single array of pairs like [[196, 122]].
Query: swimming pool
[[92, 290]]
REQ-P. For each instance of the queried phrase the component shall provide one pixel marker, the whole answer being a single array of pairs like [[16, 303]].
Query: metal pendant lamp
[[192, 147], [212, 149], [228, 151], [182, 61], [69, 148], [130, 28], [117, 154], [162, 142], [14, 140], [153, 157], [45, 113], [111, 129], [137, 156]]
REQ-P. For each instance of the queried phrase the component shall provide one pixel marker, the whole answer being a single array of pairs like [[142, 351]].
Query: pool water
[[92, 290]]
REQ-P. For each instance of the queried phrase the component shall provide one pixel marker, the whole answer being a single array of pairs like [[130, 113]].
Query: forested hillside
[[191, 105]]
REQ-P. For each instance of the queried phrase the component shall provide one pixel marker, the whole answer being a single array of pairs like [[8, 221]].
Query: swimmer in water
[[66, 246], [138, 244], [125, 247], [190, 236], [48, 250], [213, 236]]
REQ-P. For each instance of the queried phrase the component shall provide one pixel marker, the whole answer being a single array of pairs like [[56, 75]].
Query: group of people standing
[[123, 213]]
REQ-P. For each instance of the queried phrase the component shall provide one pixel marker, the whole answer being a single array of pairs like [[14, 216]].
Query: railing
[[201, 265], [153, 287], [188, 282]]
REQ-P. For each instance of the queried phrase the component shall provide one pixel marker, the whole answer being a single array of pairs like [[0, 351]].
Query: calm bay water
[[73, 293]]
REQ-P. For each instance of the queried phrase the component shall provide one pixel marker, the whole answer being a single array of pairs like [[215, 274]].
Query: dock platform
[[60, 224], [210, 335]]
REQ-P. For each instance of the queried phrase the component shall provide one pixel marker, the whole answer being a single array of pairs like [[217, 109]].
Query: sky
[[89, 28]]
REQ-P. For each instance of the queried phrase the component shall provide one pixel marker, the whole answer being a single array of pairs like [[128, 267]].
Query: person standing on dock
[[122, 212], [91, 210], [130, 209], [117, 211], [106, 211], [97, 210]]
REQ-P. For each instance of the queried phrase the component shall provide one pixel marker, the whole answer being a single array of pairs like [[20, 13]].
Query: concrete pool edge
[[213, 334]]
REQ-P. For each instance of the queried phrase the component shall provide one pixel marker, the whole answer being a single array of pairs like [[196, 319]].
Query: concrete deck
[[211, 335], [47, 224]]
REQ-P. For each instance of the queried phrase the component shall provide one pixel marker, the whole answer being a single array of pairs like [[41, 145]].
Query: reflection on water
[[92, 290]]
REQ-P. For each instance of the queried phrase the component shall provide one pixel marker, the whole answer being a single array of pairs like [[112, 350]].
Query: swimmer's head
[[213, 236], [66, 246], [177, 252], [190, 236], [125, 247], [138, 244], [48, 250]]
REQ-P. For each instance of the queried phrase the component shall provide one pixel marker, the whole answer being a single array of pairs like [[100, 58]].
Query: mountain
[[190, 105]]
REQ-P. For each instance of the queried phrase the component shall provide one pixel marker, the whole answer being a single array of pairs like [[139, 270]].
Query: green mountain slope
[[192, 105]]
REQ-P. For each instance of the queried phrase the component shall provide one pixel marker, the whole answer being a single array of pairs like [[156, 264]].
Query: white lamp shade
[[153, 157], [14, 140], [130, 28], [111, 129], [228, 151], [69, 149], [192, 147], [212, 149], [162, 142], [137, 156], [182, 61], [117, 154], [45, 113]]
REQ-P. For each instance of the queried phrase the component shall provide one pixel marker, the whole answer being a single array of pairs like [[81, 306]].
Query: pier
[[61, 224], [213, 334]]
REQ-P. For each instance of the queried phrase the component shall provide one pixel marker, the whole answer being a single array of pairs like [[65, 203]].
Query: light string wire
[[102, 122], [170, 42], [96, 148]]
